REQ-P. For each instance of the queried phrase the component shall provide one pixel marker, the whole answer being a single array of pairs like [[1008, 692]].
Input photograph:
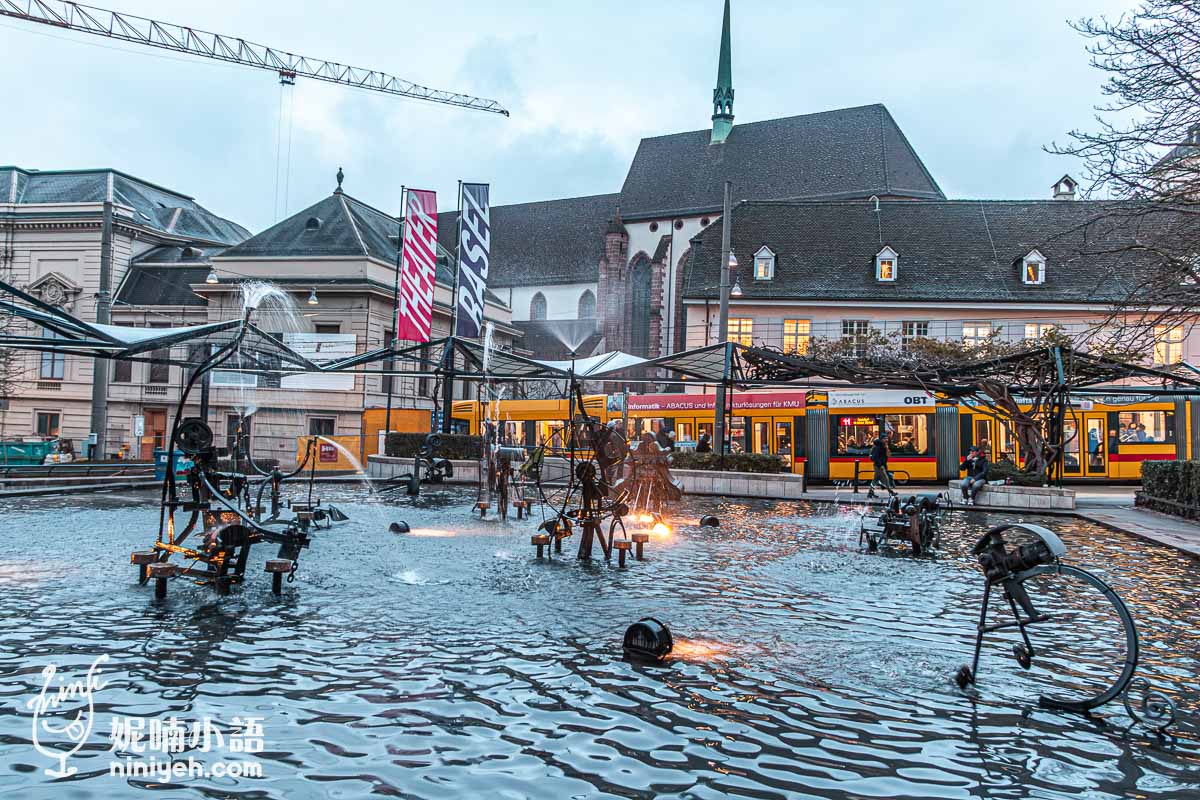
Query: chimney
[[1065, 188]]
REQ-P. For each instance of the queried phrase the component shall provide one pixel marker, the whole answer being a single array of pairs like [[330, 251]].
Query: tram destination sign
[[869, 398], [741, 401]]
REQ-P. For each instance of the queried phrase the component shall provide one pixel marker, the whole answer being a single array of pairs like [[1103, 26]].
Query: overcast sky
[[979, 89]]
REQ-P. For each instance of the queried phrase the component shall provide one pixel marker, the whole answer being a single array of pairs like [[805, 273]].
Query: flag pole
[[391, 379], [448, 376]]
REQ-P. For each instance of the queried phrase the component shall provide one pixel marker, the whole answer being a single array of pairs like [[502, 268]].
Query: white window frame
[[765, 255], [887, 254], [1033, 257], [973, 339], [801, 335], [745, 330], [1168, 344], [1036, 330], [908, 328]]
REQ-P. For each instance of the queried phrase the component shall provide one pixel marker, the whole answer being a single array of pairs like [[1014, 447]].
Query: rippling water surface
[[449, 663]]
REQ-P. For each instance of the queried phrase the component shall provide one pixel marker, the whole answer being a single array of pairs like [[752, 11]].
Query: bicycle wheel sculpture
[[1078, 619]]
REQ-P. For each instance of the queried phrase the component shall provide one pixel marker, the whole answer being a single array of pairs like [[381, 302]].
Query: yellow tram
[[828, 434]]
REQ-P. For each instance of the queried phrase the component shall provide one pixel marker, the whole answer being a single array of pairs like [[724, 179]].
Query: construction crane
[[182, 39]]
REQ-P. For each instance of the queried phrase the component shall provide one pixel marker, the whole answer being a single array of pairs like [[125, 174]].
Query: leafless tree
[[1143, 155]]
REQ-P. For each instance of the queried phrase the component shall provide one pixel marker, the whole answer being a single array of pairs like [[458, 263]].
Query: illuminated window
[[1033, 268], [741, 330], [976, 333], [910, 434], [796, 335], [1168, 344], [885, 264], [1036, 330], [1146, 426], [764, 264], [46, 423]]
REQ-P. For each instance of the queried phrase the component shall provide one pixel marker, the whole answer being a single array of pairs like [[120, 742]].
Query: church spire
[[722, 117]]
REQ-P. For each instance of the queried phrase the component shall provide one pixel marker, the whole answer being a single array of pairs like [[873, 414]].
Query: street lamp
[[212, 277], [312, 298]]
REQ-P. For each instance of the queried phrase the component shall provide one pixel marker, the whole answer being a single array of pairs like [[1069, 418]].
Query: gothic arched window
[[587, 305], [639, 307], [537, 306]]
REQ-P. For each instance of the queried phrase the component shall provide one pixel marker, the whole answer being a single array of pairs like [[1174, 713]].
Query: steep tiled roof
[[957, 250], [548, 242], [173, 254], [341, 225], [146, 285], [154, 206], [850, 152]]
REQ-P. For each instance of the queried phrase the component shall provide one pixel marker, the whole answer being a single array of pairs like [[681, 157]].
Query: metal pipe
[[103, 317], [723, 327]]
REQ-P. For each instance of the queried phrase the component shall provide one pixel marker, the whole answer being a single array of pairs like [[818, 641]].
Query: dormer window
[[1033, 269], [764, 264], [885, 265]]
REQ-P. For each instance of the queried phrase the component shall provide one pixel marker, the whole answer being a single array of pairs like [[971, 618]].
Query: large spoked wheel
[[1082, 648]]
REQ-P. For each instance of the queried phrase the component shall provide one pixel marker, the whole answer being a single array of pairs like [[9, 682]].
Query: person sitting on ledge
[[976, 466]]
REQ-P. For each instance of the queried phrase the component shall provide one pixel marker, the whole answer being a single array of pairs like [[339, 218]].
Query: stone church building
[[606, 272]]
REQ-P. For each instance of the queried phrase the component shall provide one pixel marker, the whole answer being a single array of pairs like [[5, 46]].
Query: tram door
[[1094, 443], [1075, 449], [760, 435]]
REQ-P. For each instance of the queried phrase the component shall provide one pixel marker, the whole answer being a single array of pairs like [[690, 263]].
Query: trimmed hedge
[[1172, 487], [733, 462], [454, 446], [1008, 471]]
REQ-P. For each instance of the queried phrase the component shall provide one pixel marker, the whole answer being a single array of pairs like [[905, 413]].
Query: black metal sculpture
[[916, 520], [224, 507], [427, 468], [584, 498], [1039, 556]]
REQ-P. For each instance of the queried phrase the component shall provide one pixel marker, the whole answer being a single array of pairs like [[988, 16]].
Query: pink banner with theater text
[[418, 267]]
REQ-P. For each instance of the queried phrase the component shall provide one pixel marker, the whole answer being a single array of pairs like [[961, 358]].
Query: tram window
[[703, 428], [1146, 426], [514, 433], [737, 434], [856, 435], [683, 431], [783, 438], [1005, 449], [554, 434], [910, 434]]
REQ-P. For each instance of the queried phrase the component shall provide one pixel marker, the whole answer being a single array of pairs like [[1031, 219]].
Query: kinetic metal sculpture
[[916, 520], [427, 468], [1035, 564]]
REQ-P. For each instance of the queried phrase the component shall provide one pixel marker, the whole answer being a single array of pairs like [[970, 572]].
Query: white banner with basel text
[[474, 254]]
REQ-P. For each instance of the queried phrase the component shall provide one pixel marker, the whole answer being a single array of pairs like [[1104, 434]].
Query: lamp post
[[728, 262]]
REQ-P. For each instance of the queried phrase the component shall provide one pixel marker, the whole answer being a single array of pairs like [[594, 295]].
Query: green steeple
[[722, 117]]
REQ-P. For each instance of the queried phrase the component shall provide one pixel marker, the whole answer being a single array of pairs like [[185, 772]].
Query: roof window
[[1033, 268], [764, 264], [312, 224], [886, 261]]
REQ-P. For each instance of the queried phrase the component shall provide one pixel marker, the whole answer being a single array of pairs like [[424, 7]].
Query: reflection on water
[[422, 665]]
